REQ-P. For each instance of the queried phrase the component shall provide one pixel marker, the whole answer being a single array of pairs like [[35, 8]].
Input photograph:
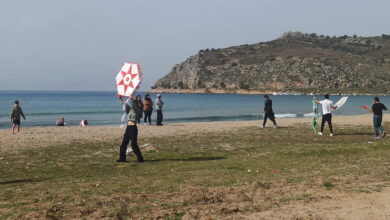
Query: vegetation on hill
[[295, 62]]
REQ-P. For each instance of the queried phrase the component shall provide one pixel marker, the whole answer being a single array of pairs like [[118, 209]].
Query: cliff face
[[295, 62]]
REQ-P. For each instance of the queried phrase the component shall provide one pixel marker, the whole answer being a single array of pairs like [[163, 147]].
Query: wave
[[67, 113], [286, 115]]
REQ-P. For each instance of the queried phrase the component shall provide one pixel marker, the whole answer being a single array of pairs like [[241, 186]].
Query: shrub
[[244, 85], [180, 85]]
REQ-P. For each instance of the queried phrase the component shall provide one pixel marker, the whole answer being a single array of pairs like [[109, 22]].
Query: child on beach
[[61, 122], [131, 133], [377, 108], [15, 116], [327, 108], [83, 123]]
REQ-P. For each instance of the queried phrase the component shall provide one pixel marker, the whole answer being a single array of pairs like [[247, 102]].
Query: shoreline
[[249, 92], [177, 121]]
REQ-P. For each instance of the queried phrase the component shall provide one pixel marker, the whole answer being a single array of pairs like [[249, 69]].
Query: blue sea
[[43, 108]]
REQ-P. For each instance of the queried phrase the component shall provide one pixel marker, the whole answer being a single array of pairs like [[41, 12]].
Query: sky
[[82, 44]]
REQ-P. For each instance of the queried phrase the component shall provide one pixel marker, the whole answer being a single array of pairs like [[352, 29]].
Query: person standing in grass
[[148, 109], [377, 108], [268, 112], [131, 133], [159, 106], [15, 116], [327, 108]]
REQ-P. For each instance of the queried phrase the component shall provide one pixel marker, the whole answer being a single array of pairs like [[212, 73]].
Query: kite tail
[[314, 125]]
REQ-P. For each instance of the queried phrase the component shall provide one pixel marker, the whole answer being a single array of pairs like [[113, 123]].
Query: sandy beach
[[37, 137]]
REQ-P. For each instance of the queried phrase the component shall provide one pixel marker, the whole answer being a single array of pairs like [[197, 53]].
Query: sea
[[43, 108]]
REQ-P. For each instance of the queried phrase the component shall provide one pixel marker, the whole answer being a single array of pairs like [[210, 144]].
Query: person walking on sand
[[268, 112], [148, 109], [377, 108], [131, 133], [327, 108], [141, 106], [159, 106], [15, 116]]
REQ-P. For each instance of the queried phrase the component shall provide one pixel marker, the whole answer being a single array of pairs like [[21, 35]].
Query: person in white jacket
[[327, 108], [159, 106]]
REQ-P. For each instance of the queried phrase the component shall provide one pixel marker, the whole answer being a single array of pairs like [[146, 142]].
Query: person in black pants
[[159, 106], [269, 113], [131, 133], [148, 109], [327, 108]]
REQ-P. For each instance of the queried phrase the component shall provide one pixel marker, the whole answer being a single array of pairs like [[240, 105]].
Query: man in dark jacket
[[268, 112]]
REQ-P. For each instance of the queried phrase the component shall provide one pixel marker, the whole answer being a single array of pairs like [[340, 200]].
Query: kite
[[341, 102], [128, 79]]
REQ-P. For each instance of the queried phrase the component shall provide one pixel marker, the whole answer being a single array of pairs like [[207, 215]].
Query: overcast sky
[[81, 45]]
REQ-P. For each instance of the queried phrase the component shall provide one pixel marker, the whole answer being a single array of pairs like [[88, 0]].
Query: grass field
[[214, 175]]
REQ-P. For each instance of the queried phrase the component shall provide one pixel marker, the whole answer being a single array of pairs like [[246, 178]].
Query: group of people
[[136, 109], [61, 122], [327, 108], [147, 109]]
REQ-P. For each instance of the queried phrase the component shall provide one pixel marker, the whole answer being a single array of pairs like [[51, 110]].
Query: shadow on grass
[[188, 159], [354, 133], [21, 181]]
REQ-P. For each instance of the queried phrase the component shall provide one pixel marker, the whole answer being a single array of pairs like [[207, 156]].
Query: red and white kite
[[128, 79]]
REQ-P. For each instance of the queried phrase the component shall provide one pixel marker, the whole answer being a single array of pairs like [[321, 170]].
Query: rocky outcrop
[[295, 62]]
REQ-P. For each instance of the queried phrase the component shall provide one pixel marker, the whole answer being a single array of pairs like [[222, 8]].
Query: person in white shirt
[[327, 108], [159, 106]]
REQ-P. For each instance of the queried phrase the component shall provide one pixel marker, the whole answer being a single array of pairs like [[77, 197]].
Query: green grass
[[82, 180]]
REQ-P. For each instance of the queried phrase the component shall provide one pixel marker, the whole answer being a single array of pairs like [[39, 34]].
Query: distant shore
[[248, 92]]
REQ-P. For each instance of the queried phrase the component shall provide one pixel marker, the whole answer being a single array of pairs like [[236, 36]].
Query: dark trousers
[[159, 117], [271, 117], [131, 134], [327, 118], [148, 116]]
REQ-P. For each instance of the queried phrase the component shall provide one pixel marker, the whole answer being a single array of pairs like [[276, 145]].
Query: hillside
[[295, 62]]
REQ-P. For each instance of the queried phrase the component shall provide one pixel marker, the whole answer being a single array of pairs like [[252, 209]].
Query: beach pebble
[[249, 171]]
